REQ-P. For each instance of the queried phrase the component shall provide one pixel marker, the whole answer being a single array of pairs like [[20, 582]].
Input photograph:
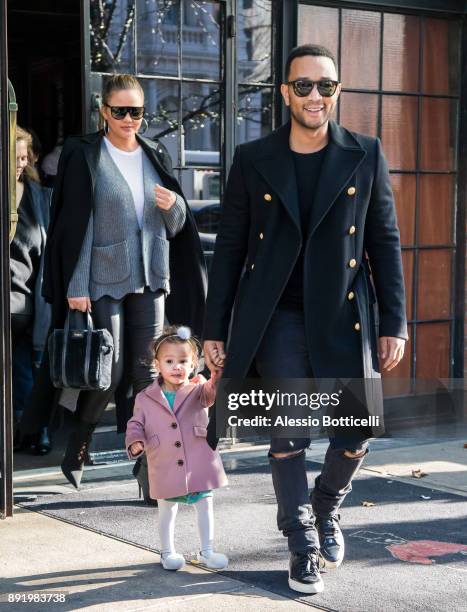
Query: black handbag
[[81, 357]]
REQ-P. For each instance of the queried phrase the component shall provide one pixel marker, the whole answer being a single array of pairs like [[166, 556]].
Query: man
[[302, 208]]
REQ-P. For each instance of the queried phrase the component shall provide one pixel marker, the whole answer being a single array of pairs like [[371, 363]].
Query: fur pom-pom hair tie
[[184, 332]]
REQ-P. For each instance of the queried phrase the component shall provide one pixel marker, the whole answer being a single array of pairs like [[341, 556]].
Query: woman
[[30, 315], [121, 239]]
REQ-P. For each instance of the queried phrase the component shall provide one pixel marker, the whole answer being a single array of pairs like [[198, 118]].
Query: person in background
[[30, 314]]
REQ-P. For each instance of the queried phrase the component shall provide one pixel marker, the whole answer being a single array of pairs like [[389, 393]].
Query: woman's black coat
[[260, 238], [72, 202]]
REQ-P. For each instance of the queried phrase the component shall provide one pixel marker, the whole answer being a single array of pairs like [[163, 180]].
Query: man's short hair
[[303, 50]]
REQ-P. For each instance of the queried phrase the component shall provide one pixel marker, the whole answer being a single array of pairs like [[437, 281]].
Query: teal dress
[[189, 498]]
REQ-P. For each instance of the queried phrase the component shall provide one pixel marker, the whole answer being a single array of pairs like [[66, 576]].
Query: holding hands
[[214, 355], [165, 198], [136, 448]]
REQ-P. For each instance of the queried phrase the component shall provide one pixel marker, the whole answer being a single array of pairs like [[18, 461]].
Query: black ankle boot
[[43, 445], [140, 472], [73, 460]]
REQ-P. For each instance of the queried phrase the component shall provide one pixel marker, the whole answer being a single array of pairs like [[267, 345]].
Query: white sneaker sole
[[316, 587]]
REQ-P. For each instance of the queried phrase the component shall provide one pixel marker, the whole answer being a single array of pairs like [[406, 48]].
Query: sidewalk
[[102, 571]]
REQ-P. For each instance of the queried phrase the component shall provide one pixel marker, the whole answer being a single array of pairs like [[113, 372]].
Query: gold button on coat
[[351, 191], [357, 326], [261, 236], [267, 197], [350, 295], [352, 229], [352, 263]]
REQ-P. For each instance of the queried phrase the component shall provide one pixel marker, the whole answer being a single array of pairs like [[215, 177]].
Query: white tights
[[167, 515]]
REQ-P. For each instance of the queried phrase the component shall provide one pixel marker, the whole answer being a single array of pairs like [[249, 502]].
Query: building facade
[[211, 69]]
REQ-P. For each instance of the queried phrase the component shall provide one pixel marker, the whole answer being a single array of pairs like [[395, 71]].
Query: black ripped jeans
[[283, 353]]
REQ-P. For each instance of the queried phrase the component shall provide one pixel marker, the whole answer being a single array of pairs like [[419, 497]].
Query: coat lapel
[[155, 154], [278, 170], [182, 395], [155, 393], [343, 157]]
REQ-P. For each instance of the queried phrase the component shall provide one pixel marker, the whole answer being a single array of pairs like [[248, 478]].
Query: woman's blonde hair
[[119, 82], [29, 172]]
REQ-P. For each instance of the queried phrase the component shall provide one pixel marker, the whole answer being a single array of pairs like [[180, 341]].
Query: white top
[[130, 164]]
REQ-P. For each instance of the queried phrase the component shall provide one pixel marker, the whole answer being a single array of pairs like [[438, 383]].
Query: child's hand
[[136, 448], [198, 379], [216, 375]]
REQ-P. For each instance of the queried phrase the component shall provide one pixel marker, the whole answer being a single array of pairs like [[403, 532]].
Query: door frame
[[6, 412]]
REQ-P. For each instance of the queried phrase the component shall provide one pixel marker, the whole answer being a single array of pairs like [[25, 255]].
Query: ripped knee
[[355, 454], [286, 455]]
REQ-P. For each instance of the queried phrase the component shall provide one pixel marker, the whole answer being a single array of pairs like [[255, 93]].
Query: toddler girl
[[169, 424]]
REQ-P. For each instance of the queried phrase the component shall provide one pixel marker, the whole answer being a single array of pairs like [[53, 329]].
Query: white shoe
[[213, 560], [172, 561]]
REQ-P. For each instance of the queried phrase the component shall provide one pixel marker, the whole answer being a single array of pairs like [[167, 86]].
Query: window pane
[[359, 112], [157, 28], [401, 52], [404, 187], [360, 49], [407, 266], [254, 57], [438, 134], [161, 101], [319, 25], [112, 35], [201, 121], [434, 284], [433, 342], [201, 39], [202, 190], [398, 131], [441, 56], [254, 118], [436, 201]]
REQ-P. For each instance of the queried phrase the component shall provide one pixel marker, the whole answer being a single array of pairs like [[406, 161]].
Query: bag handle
[[66, 329]]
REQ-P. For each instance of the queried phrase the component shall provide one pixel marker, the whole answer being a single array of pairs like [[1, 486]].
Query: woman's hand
[[165, 198], [80, 303], [136, 448]]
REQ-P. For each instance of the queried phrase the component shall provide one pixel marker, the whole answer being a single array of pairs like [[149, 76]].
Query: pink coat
[[179, 458]]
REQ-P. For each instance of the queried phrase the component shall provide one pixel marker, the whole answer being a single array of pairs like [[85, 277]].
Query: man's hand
[[136, 448], [80, 303], [391, 351], [165, 198], [214, 354]]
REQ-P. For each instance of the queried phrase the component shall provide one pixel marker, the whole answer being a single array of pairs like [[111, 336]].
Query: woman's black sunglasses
[[120, 112], [303, 87]]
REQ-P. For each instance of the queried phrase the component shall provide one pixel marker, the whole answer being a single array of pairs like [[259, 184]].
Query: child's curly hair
[[178, 334]]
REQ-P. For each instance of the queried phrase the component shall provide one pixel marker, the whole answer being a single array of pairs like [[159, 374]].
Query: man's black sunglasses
[[120, 112], [303, 87]]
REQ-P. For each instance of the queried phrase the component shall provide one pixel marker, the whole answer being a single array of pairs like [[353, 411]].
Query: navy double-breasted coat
[[353, 219]]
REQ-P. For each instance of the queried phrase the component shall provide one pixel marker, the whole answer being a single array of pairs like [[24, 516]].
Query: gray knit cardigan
[[117, 257]]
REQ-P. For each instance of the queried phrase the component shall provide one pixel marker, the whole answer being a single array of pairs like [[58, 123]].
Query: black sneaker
[[331, 540], [304, 575]]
